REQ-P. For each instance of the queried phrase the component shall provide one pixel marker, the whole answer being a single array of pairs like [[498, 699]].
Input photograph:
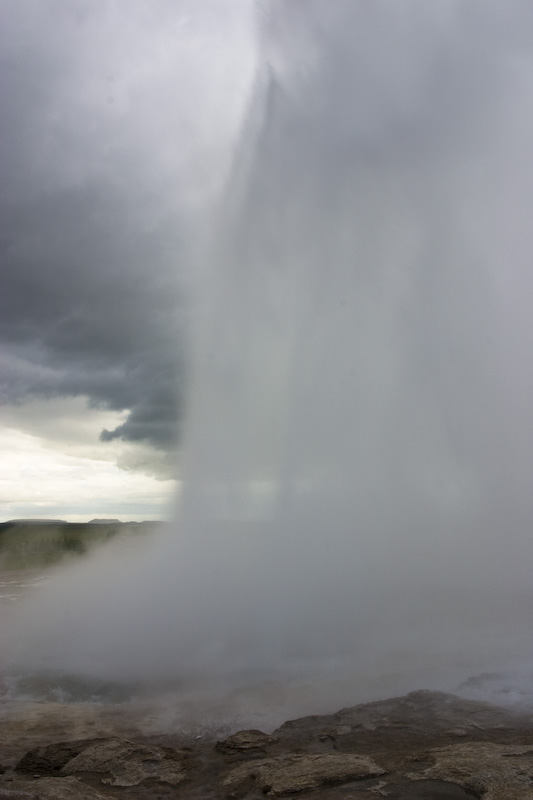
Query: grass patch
[[26, 544]]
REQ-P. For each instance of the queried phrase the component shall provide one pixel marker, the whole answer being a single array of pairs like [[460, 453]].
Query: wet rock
[[127, 763], [49, 760], [425, 746], [418, 716], [491, 771], [277, 776], [50, 789], [335, 732], [245, 742], [424, 790]]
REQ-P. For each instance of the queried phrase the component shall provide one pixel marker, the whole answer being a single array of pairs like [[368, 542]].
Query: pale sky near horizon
[[54, 466], [117, 127]]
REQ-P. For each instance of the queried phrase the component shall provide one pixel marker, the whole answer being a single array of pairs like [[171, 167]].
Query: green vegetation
[[28, 544]]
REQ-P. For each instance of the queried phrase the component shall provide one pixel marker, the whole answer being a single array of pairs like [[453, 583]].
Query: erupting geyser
[[357, 450]]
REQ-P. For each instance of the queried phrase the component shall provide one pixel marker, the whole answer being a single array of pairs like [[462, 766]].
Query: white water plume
[[358, 442]]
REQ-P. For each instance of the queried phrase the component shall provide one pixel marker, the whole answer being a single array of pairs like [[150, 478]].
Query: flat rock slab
[[277, 776], [50, 789], [492, 771], [419, 715], [128, 763]]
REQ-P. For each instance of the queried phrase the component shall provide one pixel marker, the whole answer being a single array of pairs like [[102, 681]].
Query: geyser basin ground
[[175, 696], [430, 746], [40, 709]]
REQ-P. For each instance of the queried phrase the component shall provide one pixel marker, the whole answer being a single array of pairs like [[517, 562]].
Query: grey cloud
[[91, 305], [412, 75], [91, 301], [107, 142]]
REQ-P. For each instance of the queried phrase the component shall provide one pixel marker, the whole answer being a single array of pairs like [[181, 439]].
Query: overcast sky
[[116, 127]]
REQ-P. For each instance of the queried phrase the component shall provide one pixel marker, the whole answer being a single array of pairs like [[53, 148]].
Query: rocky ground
[[424, 746]]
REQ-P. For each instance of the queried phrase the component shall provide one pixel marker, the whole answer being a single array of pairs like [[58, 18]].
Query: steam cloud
[[358, 438]]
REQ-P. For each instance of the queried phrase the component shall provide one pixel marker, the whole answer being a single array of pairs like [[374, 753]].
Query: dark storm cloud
[[91, 306], [90, 290], [99, 163]]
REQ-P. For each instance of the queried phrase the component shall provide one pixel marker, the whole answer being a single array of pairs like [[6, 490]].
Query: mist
[[356, 448]]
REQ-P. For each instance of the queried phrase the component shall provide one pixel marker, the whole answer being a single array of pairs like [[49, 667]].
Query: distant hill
[[28, 543], [31, 521]]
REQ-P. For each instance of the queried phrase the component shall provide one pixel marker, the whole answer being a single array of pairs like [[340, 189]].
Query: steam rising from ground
[[357, 452]]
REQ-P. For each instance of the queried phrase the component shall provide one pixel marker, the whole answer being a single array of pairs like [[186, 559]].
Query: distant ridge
[[32, 521], [96, 521]]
